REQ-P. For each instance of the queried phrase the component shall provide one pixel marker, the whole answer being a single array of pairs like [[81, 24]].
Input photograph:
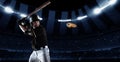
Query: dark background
[[97, 38]]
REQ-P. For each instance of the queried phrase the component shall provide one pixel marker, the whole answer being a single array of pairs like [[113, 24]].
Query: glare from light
[[82, 17], [112, 2], [66, 20], [8, 10], [23, 15], [102, 8], [97, 11]]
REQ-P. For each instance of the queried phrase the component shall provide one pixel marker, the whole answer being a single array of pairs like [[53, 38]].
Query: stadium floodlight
[[97, 11], [8, 10], [65, 20], [23, 15], [82, 17], [112, 2]]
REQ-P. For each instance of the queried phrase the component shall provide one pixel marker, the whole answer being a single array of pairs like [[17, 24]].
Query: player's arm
[[25, 27]]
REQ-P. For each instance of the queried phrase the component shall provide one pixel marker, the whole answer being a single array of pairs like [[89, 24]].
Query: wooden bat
[[39, 8]]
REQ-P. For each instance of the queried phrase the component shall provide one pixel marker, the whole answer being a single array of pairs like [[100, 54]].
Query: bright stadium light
[[82, 17], [97, 11], [8, 10], [65, 20], [112, 2], [23, 15]]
